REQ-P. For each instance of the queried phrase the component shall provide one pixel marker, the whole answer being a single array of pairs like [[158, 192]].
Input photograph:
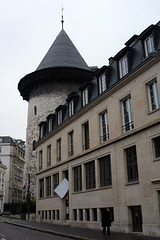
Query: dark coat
[[106, 219]]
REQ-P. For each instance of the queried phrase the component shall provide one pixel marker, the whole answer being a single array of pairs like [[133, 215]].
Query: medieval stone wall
[[45, 98]]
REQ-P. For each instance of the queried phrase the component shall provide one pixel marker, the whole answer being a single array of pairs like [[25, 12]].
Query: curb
[[51, 232]]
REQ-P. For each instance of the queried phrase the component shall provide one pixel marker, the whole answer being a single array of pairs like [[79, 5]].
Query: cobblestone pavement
[[76, 233], [12, 232]]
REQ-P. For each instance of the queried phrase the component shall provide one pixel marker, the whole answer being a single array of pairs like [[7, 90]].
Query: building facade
[[105, 143], [12, 154], [2, 184]]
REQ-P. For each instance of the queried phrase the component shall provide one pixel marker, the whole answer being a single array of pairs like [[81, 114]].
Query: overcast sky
[[98, 29]]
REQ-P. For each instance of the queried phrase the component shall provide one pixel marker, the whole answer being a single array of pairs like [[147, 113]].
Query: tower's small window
[[34, 145], [35, 110]]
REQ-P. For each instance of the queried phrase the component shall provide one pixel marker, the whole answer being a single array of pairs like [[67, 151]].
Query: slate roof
[[63, 53]]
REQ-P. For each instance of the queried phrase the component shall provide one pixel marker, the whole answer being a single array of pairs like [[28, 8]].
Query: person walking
[[106, 221]]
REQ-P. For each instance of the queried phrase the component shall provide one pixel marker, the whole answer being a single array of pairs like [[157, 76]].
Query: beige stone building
[[2, 184], [105, 140], [12, 154]]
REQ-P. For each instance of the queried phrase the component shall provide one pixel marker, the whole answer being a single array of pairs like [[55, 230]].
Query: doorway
[[137, 218]]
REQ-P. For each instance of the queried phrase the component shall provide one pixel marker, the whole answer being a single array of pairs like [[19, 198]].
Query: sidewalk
[[76, 233]]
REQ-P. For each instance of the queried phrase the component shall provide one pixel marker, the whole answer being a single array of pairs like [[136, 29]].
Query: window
[[35, 110], [148, 45], [81, 214], [33, 146], [71, 108], [104, 127], [71, 148], [48, 186], [102, 83], [85, 136], [105, 171], [59, 150], [59, 116], [153, 95], [85, 97], [49, 214], [57, 214], [156, 142], [55, 182], [40, 159], [127, 116], [41, 131], [75, 214], [94, 212], [87, 214], [90, 175], [41, 188], [48, 155], [131, 161], [50, 125], [123, 66], [77, 179], [54, 214]]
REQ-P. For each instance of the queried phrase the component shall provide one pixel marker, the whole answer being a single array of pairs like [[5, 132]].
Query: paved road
[[41, 231], [10, 232]]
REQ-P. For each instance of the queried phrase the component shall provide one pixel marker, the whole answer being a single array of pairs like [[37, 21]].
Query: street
[[17, 229], [10, 232]]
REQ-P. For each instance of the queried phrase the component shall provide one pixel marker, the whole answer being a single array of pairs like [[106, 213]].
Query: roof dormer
[[103, 77], [149, 38], [86, 90], [124, 61]]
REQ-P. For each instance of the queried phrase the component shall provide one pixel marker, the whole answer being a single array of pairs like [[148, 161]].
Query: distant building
[[101, 148], [12, 154], [2, 184]]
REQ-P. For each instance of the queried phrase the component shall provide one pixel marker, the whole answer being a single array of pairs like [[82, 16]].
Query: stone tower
[[61, 72]]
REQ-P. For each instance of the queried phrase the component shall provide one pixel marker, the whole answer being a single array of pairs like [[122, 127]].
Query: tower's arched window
[[34, 145], [35, 110]]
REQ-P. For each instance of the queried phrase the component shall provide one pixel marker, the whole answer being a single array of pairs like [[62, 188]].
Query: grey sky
[[98, 29]]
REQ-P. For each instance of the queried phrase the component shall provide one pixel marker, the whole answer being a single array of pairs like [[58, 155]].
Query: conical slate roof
[[63, 53]]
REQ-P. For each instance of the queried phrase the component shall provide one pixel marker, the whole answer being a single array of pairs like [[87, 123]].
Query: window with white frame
[[48, 186], [102, 83], [41, 188], [90, 175], [59, 150], [50, 125], [104, 130], [41, 131], [55, 182], [85, 97], [40, 159], [71, 108], [48, 155], [59, 116], [70, 145], [123, 66], [127, 115], [105, 171], [149, 45], [156, 144], [131, 164], [153, 95], [85, 136], [77, 179]]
